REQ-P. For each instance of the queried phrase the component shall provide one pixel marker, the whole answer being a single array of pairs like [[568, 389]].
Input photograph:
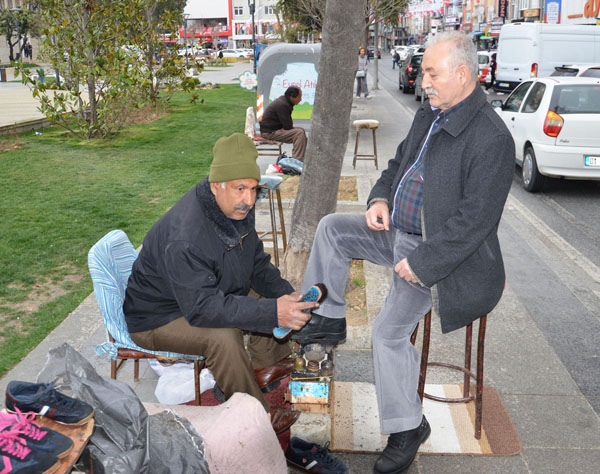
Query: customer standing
[[361, 74]]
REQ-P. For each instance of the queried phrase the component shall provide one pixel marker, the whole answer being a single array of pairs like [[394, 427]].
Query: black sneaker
[[311, 457], [401, 449], [17, 457], [44, 400], [327, 331]]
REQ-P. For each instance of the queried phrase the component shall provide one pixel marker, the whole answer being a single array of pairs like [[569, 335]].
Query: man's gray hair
[[462, 52]]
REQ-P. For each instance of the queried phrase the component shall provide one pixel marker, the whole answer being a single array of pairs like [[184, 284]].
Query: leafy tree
[[317, 195], [107, 53], [15, 26]]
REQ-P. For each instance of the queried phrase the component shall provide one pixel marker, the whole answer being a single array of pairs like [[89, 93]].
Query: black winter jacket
[[468, 173], [197, 263]]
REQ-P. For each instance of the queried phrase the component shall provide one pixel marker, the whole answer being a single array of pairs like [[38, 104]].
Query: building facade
[[228, 23]]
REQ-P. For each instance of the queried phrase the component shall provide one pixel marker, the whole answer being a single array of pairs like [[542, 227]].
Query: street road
[[551, 243]]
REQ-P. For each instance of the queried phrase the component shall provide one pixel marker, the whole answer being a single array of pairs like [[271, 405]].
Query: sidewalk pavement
[[559, 430]]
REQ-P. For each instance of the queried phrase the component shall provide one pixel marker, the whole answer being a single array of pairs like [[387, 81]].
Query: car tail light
[[553, 124], [409, 69], [534, 70]]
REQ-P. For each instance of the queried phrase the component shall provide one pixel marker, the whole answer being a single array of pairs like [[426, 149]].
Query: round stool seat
[[270, 181], [368, 124]]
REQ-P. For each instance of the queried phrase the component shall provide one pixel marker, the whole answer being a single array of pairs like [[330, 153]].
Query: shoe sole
[[81, 422], [325, 338], [298, 466], [407, 465], [271, 386]]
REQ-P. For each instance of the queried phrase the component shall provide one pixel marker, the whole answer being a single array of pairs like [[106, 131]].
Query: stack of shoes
[[312, 457], [27, 447]]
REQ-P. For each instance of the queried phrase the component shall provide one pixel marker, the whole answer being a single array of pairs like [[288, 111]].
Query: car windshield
[[483, 59], [576, 99], [416, 60]]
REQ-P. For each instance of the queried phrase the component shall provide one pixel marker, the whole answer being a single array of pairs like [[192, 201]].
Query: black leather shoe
[[322, 329], [401, 449]]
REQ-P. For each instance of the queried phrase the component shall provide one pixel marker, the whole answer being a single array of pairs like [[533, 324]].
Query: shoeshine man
[[433, 217], [188, 289]]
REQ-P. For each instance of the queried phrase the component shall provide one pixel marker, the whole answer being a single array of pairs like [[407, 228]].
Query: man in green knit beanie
[[188, 289]]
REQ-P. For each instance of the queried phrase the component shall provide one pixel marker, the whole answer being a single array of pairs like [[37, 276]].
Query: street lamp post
[[252, 6]]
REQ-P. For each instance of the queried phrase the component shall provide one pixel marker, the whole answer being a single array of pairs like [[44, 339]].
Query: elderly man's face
[[235, 198], [445, 85]]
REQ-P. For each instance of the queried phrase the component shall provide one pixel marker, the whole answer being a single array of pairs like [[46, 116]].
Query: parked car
[[484, 58], [574, 70], [233, 53], [245, 53], [371, 54], [403, 51], [554, 122], [408, 73]]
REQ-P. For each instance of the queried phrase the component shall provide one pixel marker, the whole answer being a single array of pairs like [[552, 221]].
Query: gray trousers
[[339, 239]]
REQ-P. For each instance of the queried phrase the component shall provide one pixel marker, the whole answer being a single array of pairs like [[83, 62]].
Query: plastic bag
[[176, 382], [125, 439]]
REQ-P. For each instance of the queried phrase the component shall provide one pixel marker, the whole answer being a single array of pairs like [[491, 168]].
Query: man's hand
[[289, 311], [378, 216], [403, 270]]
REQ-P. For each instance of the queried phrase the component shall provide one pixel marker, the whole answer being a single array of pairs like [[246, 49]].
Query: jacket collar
[[460, 118], [229, 231]]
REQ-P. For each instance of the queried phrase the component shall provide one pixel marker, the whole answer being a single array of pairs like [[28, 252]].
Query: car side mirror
[[496, 104]]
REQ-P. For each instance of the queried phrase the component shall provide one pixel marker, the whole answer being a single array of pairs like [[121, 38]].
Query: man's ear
[[214, 187]]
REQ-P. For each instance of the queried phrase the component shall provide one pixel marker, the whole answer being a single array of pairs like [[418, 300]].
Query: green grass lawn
[[60, 195]]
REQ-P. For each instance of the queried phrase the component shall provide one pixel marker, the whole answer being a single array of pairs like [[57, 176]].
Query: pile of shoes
[[27, 447]]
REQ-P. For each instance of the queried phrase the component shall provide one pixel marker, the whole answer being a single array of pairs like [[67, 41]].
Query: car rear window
[[576, 99], [565, 71], [592, 72]]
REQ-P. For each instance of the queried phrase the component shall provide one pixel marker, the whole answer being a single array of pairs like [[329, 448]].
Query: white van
[[527, 50]]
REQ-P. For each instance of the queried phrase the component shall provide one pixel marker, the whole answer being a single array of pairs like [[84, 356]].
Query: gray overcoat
[[468, 172]]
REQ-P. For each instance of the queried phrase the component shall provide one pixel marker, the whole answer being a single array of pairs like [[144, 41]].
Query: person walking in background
[[361, 73], [395, 59]]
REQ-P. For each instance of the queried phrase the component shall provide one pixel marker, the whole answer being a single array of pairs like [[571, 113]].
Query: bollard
[[2, 75]]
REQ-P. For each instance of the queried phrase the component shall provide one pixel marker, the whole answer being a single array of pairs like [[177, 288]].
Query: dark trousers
[[224, 350]]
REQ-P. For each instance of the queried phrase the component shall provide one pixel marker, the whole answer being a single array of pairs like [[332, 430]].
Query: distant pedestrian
[[361, 73], [220, 55], [395, 59]]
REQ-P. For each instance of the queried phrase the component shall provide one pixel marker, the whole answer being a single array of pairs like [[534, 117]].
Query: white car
[[403, 51], [555, 123], [234, 53], [575, 70]]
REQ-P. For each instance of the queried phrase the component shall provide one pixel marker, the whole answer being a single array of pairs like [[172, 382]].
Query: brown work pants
[[296, 136], [224, 350]]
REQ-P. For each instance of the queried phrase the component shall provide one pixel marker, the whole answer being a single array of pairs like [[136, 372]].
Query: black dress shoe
[[322, 329], [401, 449]]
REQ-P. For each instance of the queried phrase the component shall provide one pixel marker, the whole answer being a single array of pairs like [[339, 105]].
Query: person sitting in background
[[188, 289], [277, 123]]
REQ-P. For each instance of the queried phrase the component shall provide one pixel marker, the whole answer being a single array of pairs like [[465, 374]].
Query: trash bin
[[2, 75]]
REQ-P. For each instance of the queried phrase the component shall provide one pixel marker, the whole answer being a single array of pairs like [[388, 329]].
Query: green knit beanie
[[234, 158]]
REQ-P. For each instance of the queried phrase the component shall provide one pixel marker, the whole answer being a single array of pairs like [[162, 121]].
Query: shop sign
[[531, 13], [552, 12], [452, 20], [502, 8], [592, 9]]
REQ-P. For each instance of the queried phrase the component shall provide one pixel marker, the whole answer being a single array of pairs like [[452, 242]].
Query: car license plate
[[592, 161], [503, 84]]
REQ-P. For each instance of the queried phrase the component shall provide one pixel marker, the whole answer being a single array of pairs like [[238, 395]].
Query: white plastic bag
[[176, 382]]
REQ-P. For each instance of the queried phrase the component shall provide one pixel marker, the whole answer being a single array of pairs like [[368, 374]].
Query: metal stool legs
[[274, 232], [372, 157], [466, 369]]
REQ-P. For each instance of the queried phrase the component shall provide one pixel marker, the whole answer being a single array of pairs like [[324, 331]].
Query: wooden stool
[[468, 374], [271, 184], [266, 147], [369, 125]]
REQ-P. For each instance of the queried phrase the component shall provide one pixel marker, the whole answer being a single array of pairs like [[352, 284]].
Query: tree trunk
[[317, 195]]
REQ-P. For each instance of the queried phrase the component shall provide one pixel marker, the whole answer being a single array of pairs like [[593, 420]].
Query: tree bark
[[317, 195]]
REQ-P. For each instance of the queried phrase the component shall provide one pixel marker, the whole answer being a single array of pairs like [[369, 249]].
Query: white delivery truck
[[528, 50]]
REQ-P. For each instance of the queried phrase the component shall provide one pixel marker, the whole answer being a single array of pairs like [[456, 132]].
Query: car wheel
[[532, 179], [405, 88]]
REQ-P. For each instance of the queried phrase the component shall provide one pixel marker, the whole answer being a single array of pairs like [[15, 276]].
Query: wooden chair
[[110, 261], [466, 369]]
